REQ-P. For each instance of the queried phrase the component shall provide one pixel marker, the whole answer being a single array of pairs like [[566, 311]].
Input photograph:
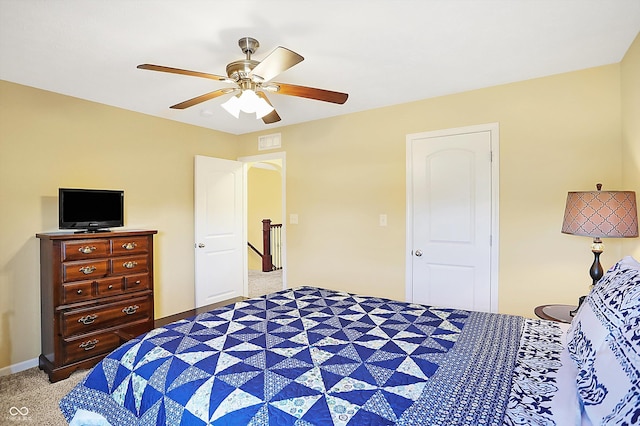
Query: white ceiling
[[381, 52]]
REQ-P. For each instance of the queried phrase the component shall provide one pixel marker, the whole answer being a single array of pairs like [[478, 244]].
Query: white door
[[220, 247], [450, 195]]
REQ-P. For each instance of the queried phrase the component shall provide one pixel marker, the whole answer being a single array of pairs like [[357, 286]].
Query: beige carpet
[[27, 397], [264, 282]]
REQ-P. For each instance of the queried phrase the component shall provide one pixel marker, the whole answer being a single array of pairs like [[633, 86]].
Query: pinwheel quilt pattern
[[309, 356]]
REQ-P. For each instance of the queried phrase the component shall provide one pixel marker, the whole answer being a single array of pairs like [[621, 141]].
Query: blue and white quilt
[[310, 356]]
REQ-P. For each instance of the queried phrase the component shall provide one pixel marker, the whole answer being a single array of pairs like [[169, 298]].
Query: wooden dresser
[[96, 292]]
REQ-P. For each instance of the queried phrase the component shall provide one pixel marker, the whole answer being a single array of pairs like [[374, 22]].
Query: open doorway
[[265, 177]]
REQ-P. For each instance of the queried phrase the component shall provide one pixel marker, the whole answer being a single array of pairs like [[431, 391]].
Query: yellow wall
[[49, 141], [630, 72], [559, 133], [264, 201]]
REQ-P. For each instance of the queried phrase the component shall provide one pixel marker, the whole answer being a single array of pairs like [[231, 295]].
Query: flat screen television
[[90, 210]]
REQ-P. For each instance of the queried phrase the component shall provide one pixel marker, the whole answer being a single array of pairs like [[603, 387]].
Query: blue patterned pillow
[[604, 342], [595, 318]]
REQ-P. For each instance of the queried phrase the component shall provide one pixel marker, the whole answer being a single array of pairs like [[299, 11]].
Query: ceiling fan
[[253, 79]]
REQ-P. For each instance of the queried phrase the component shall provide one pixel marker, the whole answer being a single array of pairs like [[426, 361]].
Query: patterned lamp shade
[[611, 214]]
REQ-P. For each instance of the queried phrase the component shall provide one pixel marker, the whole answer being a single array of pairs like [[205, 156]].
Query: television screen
[[90, 209]]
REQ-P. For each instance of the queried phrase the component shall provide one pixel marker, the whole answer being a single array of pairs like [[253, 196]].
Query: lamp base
[[575, 311], [596, 272]]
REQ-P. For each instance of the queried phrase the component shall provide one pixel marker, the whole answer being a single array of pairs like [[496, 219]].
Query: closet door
[[450, 217]]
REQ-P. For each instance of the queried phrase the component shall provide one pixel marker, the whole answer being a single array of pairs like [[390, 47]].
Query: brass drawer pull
[[129, 246], [87, 249], [110, 287], [87, 269], [89, 319], [89, 344], [79, 291], [130, 264], [130, 309]]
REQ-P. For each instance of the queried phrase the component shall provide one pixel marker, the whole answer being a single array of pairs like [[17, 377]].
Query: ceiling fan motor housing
[[239, 70]]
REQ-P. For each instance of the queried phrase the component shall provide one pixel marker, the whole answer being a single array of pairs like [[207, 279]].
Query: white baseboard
[[21, 366]]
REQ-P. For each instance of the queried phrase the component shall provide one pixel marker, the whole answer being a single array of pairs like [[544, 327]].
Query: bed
[[314, 356]]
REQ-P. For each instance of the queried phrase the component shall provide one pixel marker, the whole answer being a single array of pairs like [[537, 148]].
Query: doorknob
[[200, 245], [418, 253]]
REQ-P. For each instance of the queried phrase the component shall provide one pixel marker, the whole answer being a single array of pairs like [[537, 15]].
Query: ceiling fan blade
[[201, 98], [180, 71], [276, 62], [273, 116], [309, 92]]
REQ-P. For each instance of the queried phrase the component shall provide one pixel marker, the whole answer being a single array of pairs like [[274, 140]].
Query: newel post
[[267, 264]]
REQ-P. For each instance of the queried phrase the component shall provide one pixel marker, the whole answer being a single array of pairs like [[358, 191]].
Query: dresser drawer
[[129, 265], [110, 286], [131, 245], [77, 292], [136, 282], [84, 249], [75, 271], [88, 346], [108, 315]]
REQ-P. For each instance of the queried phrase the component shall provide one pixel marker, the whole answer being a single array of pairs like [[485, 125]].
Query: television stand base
[[92, 231]]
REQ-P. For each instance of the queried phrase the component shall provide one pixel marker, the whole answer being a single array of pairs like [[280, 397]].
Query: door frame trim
[[494, 130], [279, 155]]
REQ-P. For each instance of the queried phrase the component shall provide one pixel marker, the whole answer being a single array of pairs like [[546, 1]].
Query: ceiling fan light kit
[[232, 106], [253, 78], [249, 103]]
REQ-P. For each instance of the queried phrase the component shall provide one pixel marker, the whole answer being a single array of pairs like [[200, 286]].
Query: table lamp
[[600, 214]]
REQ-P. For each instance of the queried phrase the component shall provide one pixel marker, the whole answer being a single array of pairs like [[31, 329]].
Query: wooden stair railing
[[271, 243], [252, 247], [272, 246]]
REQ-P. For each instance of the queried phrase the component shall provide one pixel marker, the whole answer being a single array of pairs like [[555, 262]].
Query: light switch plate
[[293, 219]]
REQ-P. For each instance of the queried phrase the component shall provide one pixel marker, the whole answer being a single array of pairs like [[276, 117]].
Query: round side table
[[558, 313]]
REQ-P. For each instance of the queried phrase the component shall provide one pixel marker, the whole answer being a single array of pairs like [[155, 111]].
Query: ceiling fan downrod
[[239, 70]]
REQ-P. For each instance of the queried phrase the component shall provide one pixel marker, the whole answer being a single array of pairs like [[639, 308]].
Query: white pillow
[[595, 319], [609, 388], [604, 343], [630, 262]]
